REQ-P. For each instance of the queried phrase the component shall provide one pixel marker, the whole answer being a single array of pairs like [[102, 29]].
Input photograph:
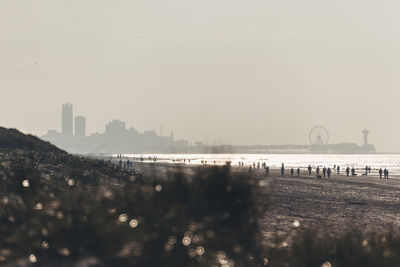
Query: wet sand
[[366, 202]]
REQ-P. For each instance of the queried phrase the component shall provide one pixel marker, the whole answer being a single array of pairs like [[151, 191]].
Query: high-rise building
[[115, 127], [67, 120], [365, 133], [80, 126]]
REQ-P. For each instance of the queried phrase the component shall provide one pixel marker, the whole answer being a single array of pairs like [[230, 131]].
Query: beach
[[338, 203], [366, 203]]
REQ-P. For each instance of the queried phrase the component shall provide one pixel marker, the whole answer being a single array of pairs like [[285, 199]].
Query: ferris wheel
[[319, 136]]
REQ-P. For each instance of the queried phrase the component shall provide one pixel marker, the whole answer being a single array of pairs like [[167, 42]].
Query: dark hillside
[[14, 139]]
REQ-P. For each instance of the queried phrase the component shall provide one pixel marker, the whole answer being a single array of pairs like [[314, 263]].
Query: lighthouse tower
[[365, 132]]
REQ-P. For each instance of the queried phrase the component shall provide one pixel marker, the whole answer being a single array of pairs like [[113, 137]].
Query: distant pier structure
[[319, 144]]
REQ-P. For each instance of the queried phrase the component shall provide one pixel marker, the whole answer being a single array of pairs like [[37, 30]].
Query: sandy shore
[[368, 203]]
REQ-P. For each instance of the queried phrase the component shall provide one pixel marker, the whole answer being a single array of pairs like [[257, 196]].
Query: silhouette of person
[[353, 171], [267, 171], [338, 169], [369, 169], [317, 171], [291, 172], [380, 173], [347, 171], [309, 169], [329, 172], [283, 170], [324, 171], [386, 173], [366, 170], [298, 172]]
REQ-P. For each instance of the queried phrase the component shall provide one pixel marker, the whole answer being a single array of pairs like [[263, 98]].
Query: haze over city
[[221, 72]]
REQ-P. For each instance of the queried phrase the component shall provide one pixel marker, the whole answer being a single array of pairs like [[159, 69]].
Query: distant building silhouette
[[115, 128], [80, 126], [365, 132], [67, 120]]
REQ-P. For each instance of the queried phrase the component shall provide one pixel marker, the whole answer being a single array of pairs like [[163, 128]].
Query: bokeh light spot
[[123, 217], [45, 245], [133, 223], [32, 258], [200, 251], [158, 188], [186, 241]]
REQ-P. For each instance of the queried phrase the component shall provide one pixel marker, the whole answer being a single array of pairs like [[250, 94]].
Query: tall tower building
[[80, 126], [67, 120], [365, 133]]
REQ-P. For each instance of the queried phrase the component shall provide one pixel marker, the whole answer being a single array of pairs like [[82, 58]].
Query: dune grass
[[58, 209]]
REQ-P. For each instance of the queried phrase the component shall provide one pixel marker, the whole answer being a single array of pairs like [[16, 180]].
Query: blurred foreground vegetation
[[58, 209]]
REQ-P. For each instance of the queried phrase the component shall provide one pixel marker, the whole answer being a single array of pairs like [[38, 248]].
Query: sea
[[375, 161]]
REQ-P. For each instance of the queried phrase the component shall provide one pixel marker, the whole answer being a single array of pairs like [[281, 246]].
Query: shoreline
[[335, 204]]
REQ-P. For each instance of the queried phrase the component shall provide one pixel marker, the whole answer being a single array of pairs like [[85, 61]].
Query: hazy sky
[[217, 71]]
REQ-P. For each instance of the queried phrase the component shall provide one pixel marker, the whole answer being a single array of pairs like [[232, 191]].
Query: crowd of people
[[320, 172]]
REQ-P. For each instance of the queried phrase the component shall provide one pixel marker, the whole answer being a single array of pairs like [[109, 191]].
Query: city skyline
[[118, 138]]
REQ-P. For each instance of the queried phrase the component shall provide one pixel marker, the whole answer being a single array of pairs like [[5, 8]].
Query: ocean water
[[375, 161]]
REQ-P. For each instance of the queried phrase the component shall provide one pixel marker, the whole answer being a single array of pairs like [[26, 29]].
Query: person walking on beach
[[386, 173], [366, 170], [291, 172], [283, 170], [380, 173], [309, 170], [317, 171], [324, 171], [369, 169], [338, 170], [298, 172], [267, 171], [347, 171], [353, 171], [329, 172]]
